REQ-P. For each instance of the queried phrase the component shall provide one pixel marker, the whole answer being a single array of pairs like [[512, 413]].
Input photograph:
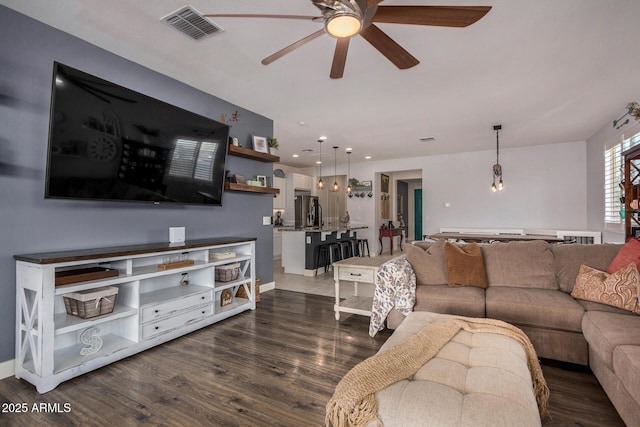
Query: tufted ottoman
[[477, 379]]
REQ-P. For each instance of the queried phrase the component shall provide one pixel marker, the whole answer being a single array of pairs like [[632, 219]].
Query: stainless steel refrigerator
[[308, 212]]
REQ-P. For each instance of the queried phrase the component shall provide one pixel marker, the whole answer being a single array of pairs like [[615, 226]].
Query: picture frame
[[262, 179], [384, 183], [260, 144]]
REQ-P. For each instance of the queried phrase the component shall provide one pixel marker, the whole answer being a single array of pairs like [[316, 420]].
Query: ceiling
[[549, 71]]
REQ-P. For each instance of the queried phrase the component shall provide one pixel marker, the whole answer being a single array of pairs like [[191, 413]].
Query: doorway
[[417, 216]]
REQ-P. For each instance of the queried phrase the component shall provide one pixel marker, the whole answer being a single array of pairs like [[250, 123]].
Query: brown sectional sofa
[[529, 285]]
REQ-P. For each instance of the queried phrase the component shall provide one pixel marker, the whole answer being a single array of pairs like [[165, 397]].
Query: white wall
[[544, 188]]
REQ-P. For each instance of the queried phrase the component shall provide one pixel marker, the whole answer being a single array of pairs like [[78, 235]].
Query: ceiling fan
[[344, 19]]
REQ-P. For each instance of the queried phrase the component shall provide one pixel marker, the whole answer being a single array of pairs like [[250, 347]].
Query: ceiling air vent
[[190, 22]]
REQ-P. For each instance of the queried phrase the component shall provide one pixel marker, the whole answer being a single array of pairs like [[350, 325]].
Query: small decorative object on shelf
[[260, 144], [76, 275], [89, 337], [175, 262], [184, 280], [222, 255], [273, 145], [226, 297]]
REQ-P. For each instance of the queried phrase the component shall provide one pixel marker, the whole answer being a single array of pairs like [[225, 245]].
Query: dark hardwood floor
[[276, 366]]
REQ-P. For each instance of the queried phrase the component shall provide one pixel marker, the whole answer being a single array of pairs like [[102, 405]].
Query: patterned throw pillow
[[620, 289]]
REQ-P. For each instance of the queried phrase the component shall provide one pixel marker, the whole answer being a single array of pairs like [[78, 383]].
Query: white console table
[[152, 305]]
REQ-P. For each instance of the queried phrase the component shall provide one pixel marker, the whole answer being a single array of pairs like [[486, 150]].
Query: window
[[613, 177]]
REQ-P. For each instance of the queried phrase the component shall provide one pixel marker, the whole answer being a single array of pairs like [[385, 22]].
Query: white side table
[[357, 270]]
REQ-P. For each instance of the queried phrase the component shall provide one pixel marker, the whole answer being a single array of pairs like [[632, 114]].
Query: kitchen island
[[300, 246]]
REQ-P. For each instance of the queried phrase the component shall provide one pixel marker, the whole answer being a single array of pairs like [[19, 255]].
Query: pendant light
[[336, 187], [320, 183], [349, 189], [497, 169]]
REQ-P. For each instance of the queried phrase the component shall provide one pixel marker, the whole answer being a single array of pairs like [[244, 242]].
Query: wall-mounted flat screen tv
[[107, 142]]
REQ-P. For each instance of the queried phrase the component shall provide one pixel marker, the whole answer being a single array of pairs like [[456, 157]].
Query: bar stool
[[322, 255], [346, 250], [355, 247], [363, 244], [335, 252]]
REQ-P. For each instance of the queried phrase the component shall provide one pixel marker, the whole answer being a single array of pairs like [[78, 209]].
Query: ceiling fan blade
[[389, 48], [442, 16], [282, 52], [339, 57], [253, 15]]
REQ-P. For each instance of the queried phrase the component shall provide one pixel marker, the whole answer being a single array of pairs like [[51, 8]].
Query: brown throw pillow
[[465, 265], [619, 289]]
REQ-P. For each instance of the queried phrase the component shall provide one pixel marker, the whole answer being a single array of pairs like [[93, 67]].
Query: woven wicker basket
[[227, 272], [92, 302]]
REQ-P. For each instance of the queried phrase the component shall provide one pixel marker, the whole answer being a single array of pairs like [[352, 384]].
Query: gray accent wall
[[30, 223]]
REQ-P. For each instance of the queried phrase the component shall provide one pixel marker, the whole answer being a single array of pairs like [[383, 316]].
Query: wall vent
[[190, 22]]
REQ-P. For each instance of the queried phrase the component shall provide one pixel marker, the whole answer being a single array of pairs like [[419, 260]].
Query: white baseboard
[[7, 369], [267, 287]]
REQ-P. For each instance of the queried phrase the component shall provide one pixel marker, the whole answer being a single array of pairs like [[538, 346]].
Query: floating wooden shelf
[[230, 186], [248, 153]]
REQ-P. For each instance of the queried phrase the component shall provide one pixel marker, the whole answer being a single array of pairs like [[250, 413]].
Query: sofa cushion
[[605, 331], [465, 265], [520, 264], [619, 289], [626, 365], [428, 264], [596, 306], [463, 301], [569, 258], [629, 253], [544, 308]]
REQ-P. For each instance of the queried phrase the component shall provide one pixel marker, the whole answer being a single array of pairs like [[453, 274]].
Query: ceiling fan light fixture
[[343, 24]]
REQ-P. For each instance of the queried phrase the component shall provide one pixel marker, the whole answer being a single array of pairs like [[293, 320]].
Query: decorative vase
[[273, 151]]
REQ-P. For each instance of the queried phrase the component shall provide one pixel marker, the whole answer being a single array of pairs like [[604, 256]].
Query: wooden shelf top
[[118, 251], [230, 186], [248, 153]]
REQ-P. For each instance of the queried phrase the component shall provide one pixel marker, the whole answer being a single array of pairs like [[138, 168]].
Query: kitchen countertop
[[323, 230]]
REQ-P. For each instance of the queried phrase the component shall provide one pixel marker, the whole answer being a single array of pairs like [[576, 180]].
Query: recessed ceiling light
[[427, 139], [318, 162], [301, 123], [348, 149], [367, 157], [322, 138], [295, 155]]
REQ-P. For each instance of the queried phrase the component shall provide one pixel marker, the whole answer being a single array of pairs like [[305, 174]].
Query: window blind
[[613, 176]]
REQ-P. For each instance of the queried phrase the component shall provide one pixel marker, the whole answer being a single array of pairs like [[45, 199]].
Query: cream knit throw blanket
[[353, 402]]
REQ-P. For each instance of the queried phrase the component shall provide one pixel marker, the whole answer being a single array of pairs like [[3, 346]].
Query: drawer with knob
[[186, 318], [356, 274], [169, 308]]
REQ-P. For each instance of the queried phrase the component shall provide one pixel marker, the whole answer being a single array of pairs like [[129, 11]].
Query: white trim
[[7, 369], [267, 287]]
